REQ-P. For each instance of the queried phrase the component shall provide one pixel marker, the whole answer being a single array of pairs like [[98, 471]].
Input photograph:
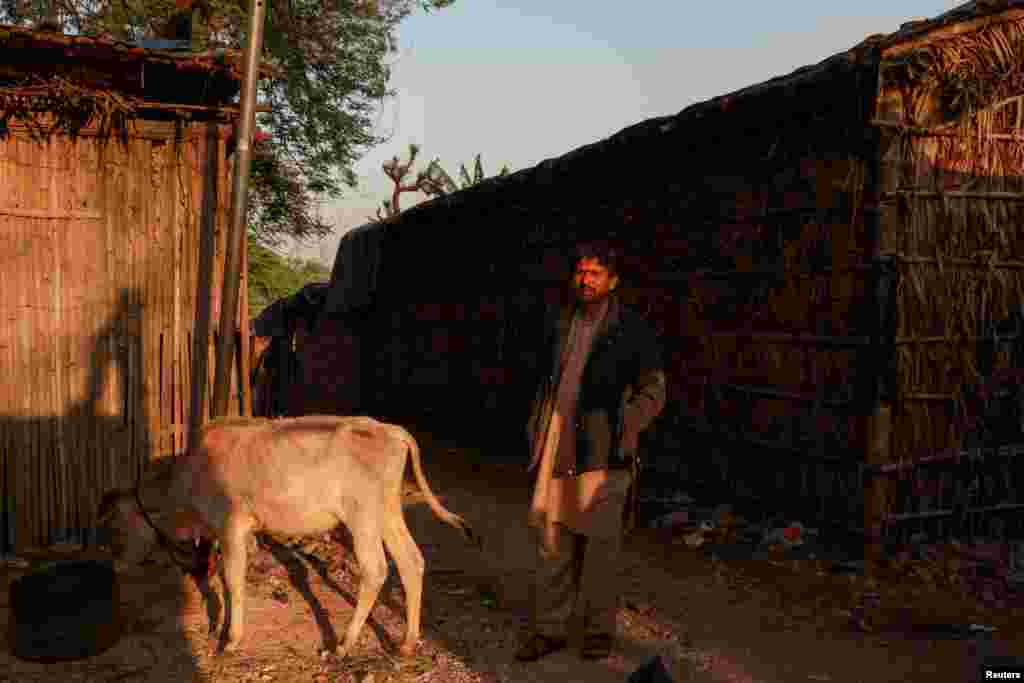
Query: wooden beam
[[245, 387], [971, 263], [796, 339], [954, 194], [951, 455], [204, 291], [48, 214], [234, 111], [875, 359]]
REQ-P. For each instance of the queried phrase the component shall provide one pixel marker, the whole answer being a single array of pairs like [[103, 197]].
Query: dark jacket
[[623, 387]]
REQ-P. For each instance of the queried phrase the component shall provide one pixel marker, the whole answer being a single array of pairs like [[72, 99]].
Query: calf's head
[[132, 539]]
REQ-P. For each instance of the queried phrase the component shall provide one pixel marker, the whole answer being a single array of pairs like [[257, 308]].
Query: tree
[[333, 74], [398, 171], [440, 182], [272, 276], [434, 181]]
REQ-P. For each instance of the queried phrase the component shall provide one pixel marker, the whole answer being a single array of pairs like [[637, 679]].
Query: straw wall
[[953, 220], [99, 242], [956, 250], [773, 327]]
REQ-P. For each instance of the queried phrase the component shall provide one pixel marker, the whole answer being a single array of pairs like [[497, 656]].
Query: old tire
[[65, 611]]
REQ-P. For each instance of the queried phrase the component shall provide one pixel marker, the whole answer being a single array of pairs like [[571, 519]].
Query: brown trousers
[[575, 574]]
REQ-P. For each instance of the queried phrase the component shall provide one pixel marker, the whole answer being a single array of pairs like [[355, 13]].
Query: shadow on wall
[[56, 467]]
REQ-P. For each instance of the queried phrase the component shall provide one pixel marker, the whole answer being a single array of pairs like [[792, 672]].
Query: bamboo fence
[[100, 250]]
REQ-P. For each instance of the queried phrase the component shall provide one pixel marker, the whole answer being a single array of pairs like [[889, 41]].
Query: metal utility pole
[[239, 204]]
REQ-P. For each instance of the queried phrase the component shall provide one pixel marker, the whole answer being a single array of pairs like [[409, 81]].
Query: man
[[603, 384]]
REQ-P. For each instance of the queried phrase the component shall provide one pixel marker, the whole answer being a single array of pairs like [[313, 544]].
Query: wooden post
[[881, 176], [204, 290], [245, 342], [876, 489], [235, 242], [244, 384]]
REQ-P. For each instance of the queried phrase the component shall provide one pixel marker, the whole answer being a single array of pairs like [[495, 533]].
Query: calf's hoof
[[339, 651]]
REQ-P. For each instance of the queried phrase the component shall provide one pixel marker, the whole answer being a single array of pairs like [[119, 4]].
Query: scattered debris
[[652, 671]]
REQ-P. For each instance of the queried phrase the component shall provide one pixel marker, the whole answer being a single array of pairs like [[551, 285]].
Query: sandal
[[538, 646], [598, 646]]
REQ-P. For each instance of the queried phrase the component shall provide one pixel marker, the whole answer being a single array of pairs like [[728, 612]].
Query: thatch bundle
[[955, 228], [54, 104], [952, 79]]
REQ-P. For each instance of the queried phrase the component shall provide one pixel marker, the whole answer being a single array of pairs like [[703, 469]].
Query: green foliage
[[434, 181], [333, 75], [439, 182], [272, 276]]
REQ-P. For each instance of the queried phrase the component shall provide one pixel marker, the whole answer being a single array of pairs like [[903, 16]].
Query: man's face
[[592, 281]]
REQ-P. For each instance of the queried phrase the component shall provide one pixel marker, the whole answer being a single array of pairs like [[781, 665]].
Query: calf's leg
[[409, 560], [373, 567], [234, 542]]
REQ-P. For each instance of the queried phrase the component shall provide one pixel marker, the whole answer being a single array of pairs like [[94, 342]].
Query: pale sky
[[527, 80]]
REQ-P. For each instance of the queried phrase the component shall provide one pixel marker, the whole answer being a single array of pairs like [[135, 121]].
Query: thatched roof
[[80, 80], [106, 48], [29, 56], [596, 189], [841, 86]]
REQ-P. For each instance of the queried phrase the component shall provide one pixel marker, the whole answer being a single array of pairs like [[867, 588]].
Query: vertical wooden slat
[[121, 249], [41, 356], [149, 267], [156, 199], [103, 348], [206, 175], [158, 264], [53, 160], [244, 340], [85, 286], [75, 259], [165, 363], [218, 277], [8, 284], [11, 332], [25, 491], [31, 315], [170, 197], [136, 226], [191, 253], [99, 308], [21, 394], [179, 217]]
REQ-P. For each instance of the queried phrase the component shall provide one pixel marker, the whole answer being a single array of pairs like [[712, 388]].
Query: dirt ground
[[709, 620]]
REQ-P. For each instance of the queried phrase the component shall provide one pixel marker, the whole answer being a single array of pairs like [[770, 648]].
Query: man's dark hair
[[605, 253]]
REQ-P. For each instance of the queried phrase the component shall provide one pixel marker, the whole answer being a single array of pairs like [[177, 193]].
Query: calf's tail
[[442, 513]]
